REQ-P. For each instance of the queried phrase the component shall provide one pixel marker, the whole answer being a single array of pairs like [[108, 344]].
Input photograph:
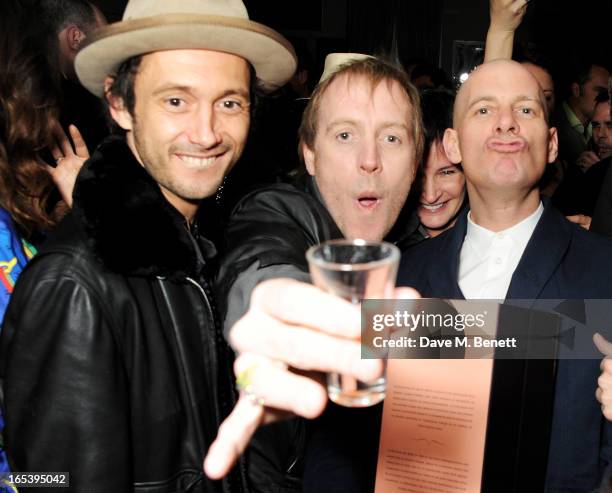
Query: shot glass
[[354, 270]]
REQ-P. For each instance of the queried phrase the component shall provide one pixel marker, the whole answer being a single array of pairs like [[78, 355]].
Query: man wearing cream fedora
[[113, 365]]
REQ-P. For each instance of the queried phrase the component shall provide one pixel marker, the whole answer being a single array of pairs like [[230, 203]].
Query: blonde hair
[[375, 70]]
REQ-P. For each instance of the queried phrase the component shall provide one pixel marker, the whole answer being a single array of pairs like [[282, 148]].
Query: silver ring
[[59, 159]]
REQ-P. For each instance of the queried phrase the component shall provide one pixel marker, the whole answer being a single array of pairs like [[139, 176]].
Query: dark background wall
[[427, 28]]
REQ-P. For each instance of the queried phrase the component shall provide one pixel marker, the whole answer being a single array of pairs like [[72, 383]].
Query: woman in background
[[29, 131], [442, 183]]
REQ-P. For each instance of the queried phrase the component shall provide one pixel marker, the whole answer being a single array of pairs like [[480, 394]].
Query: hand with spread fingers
[[292, 332], [506, 17], [604, 383], [69, 158]]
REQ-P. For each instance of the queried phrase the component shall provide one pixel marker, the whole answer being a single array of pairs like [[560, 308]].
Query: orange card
[[434, 426]]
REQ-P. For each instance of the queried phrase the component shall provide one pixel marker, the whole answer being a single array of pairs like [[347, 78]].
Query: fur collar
[[131, 227]]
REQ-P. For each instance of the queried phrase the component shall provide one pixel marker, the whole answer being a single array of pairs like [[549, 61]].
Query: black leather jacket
[[267, 237], [113, 366]]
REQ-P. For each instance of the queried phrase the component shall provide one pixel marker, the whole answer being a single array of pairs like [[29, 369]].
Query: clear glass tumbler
[[354, 270]]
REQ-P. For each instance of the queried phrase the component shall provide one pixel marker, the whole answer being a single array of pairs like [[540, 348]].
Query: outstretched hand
[[292, 332]]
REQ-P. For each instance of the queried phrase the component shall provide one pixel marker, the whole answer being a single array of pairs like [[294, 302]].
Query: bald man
[[512, 245]]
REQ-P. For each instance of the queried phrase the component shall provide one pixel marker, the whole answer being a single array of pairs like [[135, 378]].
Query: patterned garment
[[14, 254]]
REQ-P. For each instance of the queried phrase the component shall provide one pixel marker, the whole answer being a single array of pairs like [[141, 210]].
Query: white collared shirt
[[488, 260]]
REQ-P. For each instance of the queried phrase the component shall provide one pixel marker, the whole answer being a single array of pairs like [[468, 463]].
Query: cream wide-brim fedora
[[156, 25]]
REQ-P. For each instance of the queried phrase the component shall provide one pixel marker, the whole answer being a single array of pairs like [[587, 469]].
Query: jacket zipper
[[213, 342]]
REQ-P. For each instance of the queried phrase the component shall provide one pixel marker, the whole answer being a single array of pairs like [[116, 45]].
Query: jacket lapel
[[444, 271], [543, 254]]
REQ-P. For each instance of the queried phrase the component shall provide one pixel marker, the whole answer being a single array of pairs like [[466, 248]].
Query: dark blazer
[[561, 261]]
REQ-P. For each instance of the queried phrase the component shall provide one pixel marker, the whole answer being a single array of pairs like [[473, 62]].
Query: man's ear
[[451, 146], [74, 37], [553, 144], [117, 108], [575, 89], [309, 159]]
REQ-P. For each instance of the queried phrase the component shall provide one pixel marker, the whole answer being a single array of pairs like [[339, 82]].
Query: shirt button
[[498, 260]]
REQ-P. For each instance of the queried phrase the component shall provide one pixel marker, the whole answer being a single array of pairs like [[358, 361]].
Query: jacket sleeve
[[65, 388], [267, 237]]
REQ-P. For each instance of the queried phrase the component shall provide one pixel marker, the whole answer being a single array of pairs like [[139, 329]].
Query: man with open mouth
[[360, 141]]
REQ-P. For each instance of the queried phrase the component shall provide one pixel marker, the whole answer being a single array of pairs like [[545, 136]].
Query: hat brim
[[271, 54]]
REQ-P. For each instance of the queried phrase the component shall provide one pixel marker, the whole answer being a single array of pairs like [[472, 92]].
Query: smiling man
[[512, 245], [187, 128], [113, 364]]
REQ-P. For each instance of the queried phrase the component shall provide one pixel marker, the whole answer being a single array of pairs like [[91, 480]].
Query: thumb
[[603, 345]]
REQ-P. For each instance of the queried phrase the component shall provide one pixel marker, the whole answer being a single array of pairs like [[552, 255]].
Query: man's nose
[[205, 128], [506, 121], [370, 161]]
